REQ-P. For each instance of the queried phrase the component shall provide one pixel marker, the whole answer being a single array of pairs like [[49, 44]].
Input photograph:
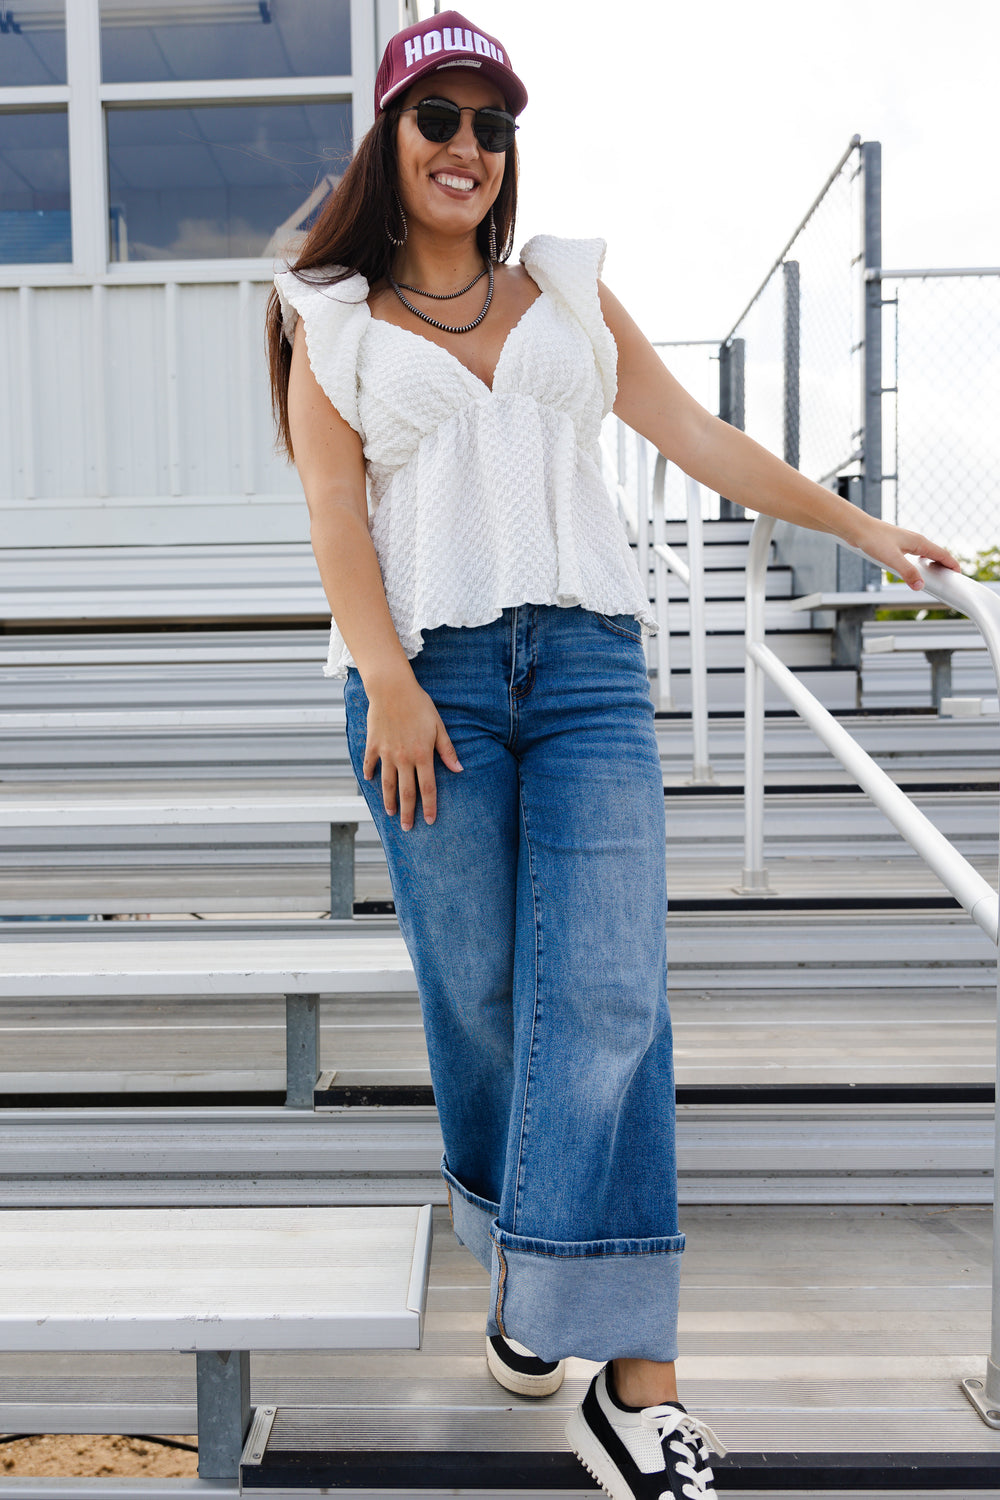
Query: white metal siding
[[137, 398], [134, 402]]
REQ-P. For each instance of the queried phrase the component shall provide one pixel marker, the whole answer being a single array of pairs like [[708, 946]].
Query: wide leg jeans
[[534, 911]]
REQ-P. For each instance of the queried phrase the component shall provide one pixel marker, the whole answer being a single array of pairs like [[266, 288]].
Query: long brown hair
[[350, 236]]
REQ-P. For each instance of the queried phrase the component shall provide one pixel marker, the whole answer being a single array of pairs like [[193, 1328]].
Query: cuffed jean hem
[[472, 1219], [588, 1299]]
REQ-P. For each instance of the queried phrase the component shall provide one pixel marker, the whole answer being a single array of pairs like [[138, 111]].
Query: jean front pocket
[[626, 625]]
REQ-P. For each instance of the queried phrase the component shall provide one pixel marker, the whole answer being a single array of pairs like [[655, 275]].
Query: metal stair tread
[[833, 1154], [769, 1036], [430, 1447]]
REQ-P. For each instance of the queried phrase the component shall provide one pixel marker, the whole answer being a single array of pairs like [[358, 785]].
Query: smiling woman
[[488, 618]]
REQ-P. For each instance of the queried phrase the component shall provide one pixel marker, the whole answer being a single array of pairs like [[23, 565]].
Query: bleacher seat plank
[[178, 653], [212, 1278], [889, 596], [377, 964], [220, 1283], [932, 641], [83, 809], [41, 609], [149, 721]]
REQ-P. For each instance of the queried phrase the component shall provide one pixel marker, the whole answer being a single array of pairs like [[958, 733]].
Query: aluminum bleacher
[[834, 1051]]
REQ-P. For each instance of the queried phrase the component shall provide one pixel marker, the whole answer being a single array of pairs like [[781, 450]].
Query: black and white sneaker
[[518, 1370], [658, 1453]]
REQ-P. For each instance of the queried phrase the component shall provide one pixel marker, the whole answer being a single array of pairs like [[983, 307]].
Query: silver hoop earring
[[392, 238], [493, 237]]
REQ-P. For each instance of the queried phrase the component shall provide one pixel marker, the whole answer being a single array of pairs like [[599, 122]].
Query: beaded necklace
[[445, 297]]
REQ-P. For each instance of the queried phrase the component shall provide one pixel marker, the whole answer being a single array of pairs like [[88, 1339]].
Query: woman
[[488, 619]]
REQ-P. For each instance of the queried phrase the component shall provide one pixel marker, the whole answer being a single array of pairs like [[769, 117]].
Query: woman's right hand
[[404, 731]]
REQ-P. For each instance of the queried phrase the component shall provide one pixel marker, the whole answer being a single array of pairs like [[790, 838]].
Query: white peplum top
[[480, 499]]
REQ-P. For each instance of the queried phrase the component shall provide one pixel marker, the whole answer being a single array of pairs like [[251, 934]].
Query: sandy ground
[[69, 1455]]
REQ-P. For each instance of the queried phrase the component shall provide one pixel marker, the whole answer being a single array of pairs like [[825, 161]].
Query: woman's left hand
[[729, 462], [889, 545]]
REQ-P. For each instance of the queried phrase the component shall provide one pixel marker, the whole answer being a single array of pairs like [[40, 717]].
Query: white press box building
[[155, 157]]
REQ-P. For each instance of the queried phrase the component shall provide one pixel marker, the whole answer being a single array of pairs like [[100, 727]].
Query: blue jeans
[[534, 911]]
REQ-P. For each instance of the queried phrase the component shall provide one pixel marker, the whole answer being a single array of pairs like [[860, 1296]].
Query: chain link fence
[[797, 344], [942, 407], [887, 379]]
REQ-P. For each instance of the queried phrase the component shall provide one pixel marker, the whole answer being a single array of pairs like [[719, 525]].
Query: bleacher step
[[831, 845], [821, 1332], [508, 1450], [737, 1154]]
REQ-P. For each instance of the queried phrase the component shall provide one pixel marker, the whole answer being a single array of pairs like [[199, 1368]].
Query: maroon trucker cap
[[445, 41]]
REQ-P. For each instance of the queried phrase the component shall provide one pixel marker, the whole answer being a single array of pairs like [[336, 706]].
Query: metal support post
[[754, 881], [301, 1050], [644, 520], [849, 577], [732, 403], [661, 593], [940, 677], [223, 1411], [871, 363], [342, 869], [642, 508], [701, 769], [854, 574], [790, 281], [985, 1394]]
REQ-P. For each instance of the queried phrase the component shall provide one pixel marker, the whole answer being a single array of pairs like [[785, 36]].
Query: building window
[[32, 43], [218, 180], [34, 187], [159, 40]]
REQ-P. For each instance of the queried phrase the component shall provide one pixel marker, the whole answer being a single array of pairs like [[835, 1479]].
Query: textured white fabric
[[481, 499]]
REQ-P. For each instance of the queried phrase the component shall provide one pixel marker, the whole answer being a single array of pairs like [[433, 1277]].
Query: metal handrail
[[879, 273], [692, 575], [649, 512], [626, 510], [978, 897]]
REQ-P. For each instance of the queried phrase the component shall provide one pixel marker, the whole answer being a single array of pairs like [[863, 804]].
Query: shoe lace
[[691, 1440]]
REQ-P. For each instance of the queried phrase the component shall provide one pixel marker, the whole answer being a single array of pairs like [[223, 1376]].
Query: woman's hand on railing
[[893, 546]]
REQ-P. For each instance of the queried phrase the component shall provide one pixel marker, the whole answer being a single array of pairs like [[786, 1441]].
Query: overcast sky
[[693, 137]]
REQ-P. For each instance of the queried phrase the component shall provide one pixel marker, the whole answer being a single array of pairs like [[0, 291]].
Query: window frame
[[87, 99]]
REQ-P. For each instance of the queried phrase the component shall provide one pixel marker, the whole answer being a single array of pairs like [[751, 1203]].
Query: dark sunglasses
[[438, 120]]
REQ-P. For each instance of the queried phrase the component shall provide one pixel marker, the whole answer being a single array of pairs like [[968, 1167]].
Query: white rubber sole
[[596, 1460], [523, 1385]]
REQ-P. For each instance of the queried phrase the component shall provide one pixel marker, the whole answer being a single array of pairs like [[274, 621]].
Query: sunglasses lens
[[437, 120], [494, 129]]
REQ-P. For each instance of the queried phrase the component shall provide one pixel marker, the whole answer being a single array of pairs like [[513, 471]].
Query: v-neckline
[[433, 344]]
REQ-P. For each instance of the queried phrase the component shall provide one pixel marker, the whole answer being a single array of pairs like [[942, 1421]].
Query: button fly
[[524, 633]]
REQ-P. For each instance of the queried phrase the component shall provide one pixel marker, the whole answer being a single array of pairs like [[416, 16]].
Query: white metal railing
[[978, 897], [692, 575], [616, 464], [644, 517]]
